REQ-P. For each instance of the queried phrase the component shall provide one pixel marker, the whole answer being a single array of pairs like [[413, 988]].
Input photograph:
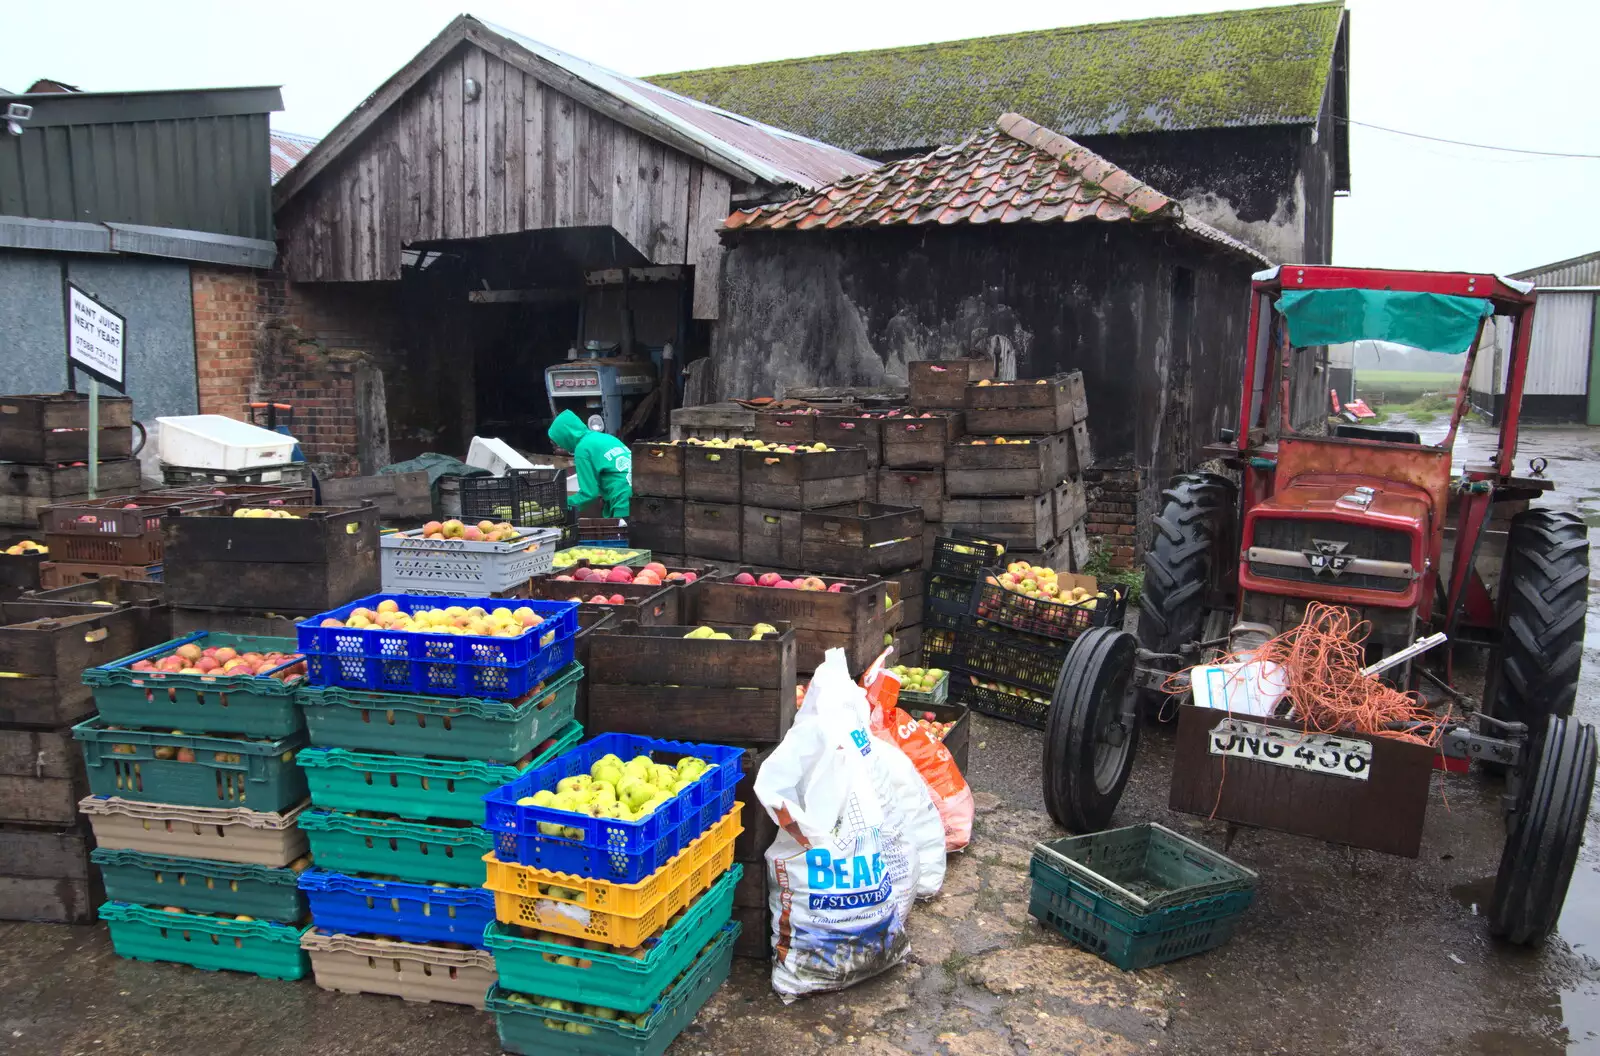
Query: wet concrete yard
[[1342, 952]]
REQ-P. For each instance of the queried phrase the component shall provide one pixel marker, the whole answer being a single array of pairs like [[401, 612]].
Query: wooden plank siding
[[523, 156]]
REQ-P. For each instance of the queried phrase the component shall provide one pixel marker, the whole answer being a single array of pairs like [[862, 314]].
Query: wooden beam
[[541, 296]]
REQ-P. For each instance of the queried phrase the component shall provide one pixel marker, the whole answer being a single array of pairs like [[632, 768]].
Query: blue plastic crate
[[410, 912], [438, 664], [622, 852]]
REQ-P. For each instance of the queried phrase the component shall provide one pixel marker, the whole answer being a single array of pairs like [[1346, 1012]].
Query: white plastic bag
[[842, 874], [910, 805]]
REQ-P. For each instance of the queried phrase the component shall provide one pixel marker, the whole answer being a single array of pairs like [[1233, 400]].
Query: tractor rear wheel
[[1187, 559], [1093, 731], [1546, 830], [1544, 599]]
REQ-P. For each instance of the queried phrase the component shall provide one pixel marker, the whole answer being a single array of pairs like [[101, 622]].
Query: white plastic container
[[414, 565], [496, 456], [1253, 688], [213, 441]]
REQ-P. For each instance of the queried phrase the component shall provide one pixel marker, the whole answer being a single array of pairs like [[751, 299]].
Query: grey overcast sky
[[1515, 73]]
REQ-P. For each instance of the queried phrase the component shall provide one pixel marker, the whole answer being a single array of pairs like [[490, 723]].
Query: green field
[[1402, 386]]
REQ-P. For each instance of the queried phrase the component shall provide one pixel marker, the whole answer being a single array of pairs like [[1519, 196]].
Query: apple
[[472, 533], [620, 574], [582, 572], [837, 588], [784, 584], [599, 599], [769, 579], [430, 529], [690, 577], [618, 599], [564, 579], [745, 579], [657, 567]]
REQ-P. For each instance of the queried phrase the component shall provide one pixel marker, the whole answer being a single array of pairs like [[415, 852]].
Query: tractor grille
[[1379, 544]]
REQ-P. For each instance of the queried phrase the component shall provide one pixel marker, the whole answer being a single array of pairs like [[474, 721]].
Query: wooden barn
[[498, 202]]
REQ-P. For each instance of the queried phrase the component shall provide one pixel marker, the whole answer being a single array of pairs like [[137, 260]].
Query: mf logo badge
[[1327, 557]]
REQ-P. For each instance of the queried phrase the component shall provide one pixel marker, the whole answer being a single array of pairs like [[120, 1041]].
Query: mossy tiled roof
[[1258, 67]]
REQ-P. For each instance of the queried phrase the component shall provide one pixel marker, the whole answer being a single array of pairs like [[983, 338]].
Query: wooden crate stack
[[45, 646]]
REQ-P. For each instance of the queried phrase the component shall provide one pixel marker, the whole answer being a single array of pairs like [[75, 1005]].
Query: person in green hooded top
[[604, 464]]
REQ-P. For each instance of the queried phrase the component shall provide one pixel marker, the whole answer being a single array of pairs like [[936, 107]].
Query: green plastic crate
[[632, 556], [264, 777], [252, 705], [416, 853], [612, 980], [414, 788], [529, 1030], [201, 885], [492, 731], [142, 933]]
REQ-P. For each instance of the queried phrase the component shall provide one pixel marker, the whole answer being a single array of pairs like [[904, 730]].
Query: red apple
[[599, 599], [563, 579], [769, 579], [657, 567], [745, 579], [837, 588], [582, 572], [784, 584], [690, 577], [618, 599], [620, 574]]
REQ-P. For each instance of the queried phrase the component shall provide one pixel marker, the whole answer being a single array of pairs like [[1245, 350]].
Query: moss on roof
[[1256, 67]]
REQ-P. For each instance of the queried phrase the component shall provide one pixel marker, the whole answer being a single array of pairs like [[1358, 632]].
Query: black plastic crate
[[1012, 703], [999, 653], [528, 498], [938, 646], [1045, 616], [964, 556]]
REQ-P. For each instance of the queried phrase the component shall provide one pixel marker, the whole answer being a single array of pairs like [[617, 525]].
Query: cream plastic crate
[[223, 834], [414, 971], [213, 441]]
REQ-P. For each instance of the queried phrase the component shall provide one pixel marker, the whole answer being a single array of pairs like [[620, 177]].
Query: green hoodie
[[604, 464]]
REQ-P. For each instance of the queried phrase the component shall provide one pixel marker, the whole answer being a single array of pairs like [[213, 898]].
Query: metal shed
[[1563, 383]]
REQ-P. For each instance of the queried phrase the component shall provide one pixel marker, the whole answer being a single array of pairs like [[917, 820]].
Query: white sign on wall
[[96, 337]]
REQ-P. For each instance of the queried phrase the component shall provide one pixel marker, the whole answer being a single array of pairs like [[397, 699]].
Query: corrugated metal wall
[[1489, 370], [155, 297], [1558, 362], [199, 174], [1579, 271]]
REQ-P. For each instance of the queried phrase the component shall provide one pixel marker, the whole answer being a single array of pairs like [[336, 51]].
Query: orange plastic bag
[[937, 767]]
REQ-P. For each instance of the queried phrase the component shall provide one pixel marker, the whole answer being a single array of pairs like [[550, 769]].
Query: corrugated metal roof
[[1578, 271], [287, 150], [1015, 172], [1265, 66], [776, 155]]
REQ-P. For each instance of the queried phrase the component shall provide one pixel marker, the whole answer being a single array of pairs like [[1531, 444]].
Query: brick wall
[[1114, 497], [258, 338]]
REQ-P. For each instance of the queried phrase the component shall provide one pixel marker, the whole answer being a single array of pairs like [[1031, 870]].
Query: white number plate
[[1319, 753]]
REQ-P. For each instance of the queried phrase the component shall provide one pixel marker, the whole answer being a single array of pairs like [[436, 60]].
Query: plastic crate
[[201, 885], [410, 912], [529, 1030], [938, 647], [618, 851], [143, 933], [465, 566], [1052, 619], [1012, 703], [604, 556], [215, 441], [410, 850], [963, 556], [491, 731], [258, 775], [358, 964], [437, 664], [254, 705], [282, 473], [413, 787], [1138, 896], [613, 980], [535, 497], [616, 914], [938, 695], [993, 652], [248, 837]]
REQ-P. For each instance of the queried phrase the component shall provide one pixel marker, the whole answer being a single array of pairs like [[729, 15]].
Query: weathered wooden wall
[[521, 157]]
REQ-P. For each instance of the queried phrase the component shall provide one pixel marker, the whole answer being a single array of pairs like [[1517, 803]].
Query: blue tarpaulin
[[1433, 322]]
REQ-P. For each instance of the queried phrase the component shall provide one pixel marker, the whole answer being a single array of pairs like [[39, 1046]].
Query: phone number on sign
[[1319, 753]]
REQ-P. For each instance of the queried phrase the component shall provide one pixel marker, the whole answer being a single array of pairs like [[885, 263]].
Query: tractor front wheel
[[1187, 559], [1543, 603], [1093, 731], [1546, 829]]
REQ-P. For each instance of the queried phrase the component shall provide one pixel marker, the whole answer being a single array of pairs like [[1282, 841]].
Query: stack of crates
[[119, 536], [403, 751], [44, 448], [194, 791], [611, 933]]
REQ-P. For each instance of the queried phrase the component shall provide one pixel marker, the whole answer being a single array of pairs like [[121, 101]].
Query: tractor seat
[[1363, 432]]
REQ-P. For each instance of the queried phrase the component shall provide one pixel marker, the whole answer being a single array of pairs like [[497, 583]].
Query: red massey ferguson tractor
[[1376, 521]]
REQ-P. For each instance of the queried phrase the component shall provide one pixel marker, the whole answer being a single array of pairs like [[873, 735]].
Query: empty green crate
[[142, 933], [530, 1030], [413, 787], [492, 731], [201, 885], [219, 772], [613, 980], [410, 850], [254, 705]]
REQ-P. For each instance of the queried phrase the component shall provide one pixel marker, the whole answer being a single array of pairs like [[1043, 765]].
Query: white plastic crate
[[412, 564], [496, 456], [213, 441]]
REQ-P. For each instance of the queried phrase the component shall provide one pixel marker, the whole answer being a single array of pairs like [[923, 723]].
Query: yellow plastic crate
[[601, 911]]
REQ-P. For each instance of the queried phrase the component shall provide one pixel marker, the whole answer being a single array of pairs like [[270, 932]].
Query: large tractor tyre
[[1093, 731], [1190, 536], [1544, 598], [1546, 830]]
